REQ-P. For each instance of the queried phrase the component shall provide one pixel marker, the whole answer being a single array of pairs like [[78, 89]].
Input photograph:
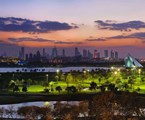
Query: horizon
[[34, 24]]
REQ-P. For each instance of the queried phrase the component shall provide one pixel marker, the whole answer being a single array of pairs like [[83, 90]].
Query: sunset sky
[[90, 24]]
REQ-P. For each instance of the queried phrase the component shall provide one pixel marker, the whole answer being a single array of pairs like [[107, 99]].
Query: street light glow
[[115, 72], [57, 70], [139, 70]]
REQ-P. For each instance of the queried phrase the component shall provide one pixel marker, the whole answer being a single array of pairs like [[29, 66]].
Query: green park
[[85, 81]]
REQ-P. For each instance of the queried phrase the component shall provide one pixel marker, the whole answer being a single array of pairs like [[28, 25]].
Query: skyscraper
[[95, 54], [44, 53], [54, 52], [98, 55], [116, 55], [63, 53], [85, 53], [90, 55], [112, 54], [106, 54], [22, 53], [77, 53]]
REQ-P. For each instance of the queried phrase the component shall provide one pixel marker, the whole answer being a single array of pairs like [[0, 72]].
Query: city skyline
[[100, 25]]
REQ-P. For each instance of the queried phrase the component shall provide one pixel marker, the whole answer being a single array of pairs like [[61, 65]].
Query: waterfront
[[51, 69]]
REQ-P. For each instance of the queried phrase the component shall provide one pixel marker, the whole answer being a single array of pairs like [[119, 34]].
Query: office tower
[[112, 54], [27, 57], [63, 53], [22, 53], [95, 54], [38, 55], [90, 55], [106, 54], [85, 53], [44, 53], [77, 53], [54, 52], [116, 55], [98, 55], [30, 56]]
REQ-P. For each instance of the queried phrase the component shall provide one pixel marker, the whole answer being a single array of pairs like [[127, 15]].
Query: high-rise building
[[90, 55], [98, 55], [112, 54], [116, 55], [27, 57], [22, 53], [38, 56], [95, 54], [63, 53], [106, 55], [44, 53], [30, 56], [77, 53], [54, 52], [85, 53]]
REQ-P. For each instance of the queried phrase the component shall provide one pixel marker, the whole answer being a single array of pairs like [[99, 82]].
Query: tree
[[58, 88], [71, 89], [93, 86], [16, 88], [24, 88]]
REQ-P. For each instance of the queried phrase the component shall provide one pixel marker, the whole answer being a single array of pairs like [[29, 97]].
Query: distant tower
[[95, 54], [22, 53], [116, 55], [54, 52], [77, 53], [27, 57], [38, 55], [44, 53], [98, 55], [90, 55], [30, 56], [85, 53], [63, 52], [112, 54], [106, 54]]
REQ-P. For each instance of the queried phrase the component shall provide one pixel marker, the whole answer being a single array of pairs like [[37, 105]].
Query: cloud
[[16, 40], [61, 42], [138, 35], [95, 39], [18, 24], [125, 26], [27, 39]]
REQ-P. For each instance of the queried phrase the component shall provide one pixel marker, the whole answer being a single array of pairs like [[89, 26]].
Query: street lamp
[[57, 71], [139, 72], [115, 72], [13, 76], [47, 78]]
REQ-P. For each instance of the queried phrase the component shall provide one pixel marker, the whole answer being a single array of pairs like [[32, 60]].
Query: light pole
[[139, 72], [47, 78], [13, 76], [84, 72], [57, 72], [116, 75]]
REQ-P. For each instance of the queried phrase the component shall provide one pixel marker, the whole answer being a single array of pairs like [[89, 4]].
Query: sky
[[87, 24]]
